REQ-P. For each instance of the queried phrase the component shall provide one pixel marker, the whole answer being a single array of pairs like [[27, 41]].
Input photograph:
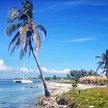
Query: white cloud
[[4, 67], [83, 39], [61, 5], [23, 69], [15, 72], [65, 4], [95, 2], [55, 71], [44, 69]]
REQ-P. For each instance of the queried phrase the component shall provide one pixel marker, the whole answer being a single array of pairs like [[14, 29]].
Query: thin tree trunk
[[47, 93]]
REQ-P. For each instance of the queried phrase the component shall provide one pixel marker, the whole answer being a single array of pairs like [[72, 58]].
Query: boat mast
[[24, 66]]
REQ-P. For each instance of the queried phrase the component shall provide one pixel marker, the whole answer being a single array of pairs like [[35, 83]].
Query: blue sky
[[77, 32]]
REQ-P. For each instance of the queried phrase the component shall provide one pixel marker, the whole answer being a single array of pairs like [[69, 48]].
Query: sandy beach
[[56, 89], [59, 88]]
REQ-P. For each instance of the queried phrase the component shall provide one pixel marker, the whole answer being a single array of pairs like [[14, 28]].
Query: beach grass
[[93, 97]]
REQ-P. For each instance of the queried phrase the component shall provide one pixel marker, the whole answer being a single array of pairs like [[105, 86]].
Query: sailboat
[[23, 80]]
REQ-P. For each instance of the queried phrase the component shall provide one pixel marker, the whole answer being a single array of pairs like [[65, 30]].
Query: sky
[[77, 31]]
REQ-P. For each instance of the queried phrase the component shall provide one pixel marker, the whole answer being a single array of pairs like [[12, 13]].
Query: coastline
[[56, 90], [60, 88]]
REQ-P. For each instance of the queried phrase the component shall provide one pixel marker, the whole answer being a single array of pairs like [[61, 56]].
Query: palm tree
[[103, 63], [27, 35]]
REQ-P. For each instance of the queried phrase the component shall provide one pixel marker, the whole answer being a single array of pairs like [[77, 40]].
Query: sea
[[20, 95]]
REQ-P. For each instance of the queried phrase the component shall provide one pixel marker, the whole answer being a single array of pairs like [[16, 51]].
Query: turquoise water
[[16, 95]]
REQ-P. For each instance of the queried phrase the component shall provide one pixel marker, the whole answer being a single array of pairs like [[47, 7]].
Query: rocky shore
[[56, 89], [52, 102]]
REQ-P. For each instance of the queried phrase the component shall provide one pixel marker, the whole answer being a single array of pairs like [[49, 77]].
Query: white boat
[[23, 81]]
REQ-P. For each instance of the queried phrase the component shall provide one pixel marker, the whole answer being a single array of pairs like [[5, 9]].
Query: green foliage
[[103, 63], [97, 97], [81, 73], [74, 84], [47, 78], [54, 77]]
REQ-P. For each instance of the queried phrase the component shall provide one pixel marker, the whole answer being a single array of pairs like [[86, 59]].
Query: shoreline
[[60, 88], [56, 90]]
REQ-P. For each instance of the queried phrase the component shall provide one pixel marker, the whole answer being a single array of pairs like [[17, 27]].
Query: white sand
[[59, 88], [86, 86]]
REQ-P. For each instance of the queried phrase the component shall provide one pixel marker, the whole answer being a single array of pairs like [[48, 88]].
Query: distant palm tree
[[103, 63], [27, 35]]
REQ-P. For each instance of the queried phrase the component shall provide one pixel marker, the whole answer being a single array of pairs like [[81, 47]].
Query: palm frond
[[27, 3], [26, 44], [24, 49], [30, 47], [27, 8], [101, 63], [98, 57], [42, 30], [21, 53], [16, 37], [23, 31], [37, 41], [14, 13], [104, 71], [23, 14], [16, 45], [21, 20], [13, 49], [106, 74], [11, 28]]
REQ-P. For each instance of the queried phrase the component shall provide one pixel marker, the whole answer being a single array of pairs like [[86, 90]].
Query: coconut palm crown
[[20, 21], [103, 63], [26, 34]]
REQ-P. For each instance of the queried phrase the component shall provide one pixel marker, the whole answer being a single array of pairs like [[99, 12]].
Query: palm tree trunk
[[47, 93]]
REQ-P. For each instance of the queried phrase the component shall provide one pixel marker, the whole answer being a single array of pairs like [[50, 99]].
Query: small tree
[[103, 63], [54, 77]]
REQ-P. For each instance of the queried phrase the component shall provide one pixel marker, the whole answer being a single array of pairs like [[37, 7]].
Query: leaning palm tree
[[103, 63], [26, 34]]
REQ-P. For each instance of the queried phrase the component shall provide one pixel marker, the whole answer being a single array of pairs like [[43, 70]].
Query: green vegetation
[[54, 77], [103, 63], [81, 73], [97, 97], [75, 75]]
